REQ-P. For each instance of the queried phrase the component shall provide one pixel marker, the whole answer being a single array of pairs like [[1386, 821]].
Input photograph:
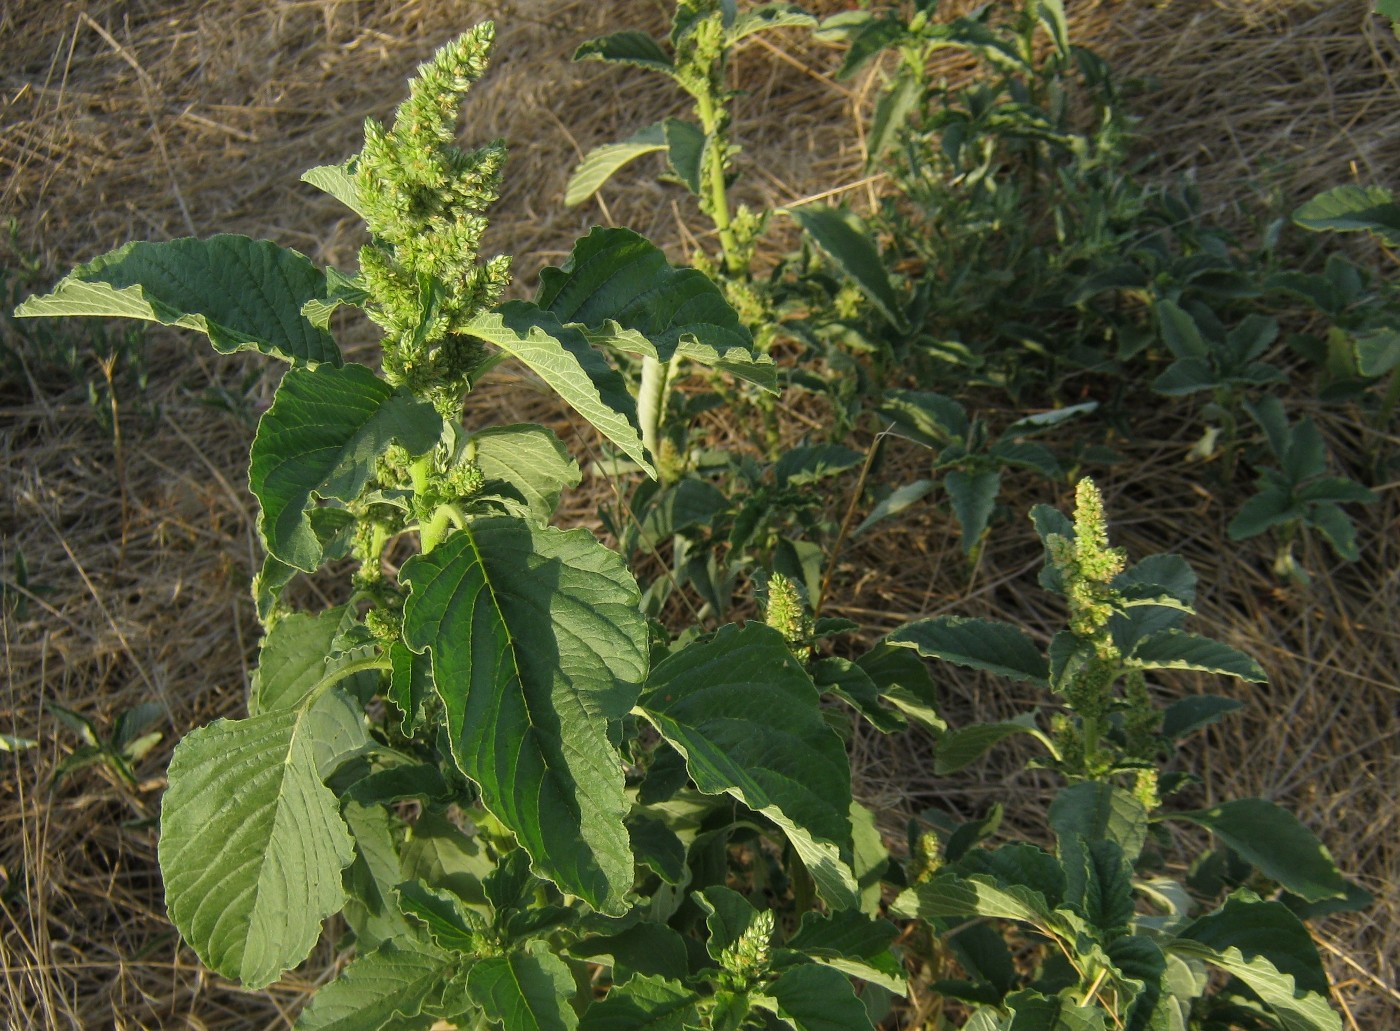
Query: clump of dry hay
[[168, 117]]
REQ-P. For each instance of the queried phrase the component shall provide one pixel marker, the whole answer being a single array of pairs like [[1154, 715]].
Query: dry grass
[[166, 117]]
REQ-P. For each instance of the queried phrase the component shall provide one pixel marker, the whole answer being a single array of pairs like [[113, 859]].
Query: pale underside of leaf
[[252, 843], [241, 293]]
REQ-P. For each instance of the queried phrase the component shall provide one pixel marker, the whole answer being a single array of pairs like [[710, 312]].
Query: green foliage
[[611, 825], [1103, 958], [515, 666]]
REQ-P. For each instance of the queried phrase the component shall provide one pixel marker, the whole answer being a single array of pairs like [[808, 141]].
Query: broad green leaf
[[644, 1003], [768, 16], [898, 500], [1295, 1008], [847, 241], [562, 357], [685, 152], [1052, 15], [957, 749], [1377, 350], [1351, 209], [973, 496], [601, 163], [1269, 508], [1275, 841], [804, 465], [321, 438], [1259, 928], [1098, 882], [747, 719], [620, 286], [372, 911], [252, 843], [1180, 332], [728, 917], [242, 294], [904, 681], [950, 895], [340, 289], [537, 645], [410, 685], [892, 113], [1186, 376], [384, 988], [524, 991], [339, 182], [648, 949], [1192, 713], [814, 997], [977, 643], [531, 459], [1018, 864], [634, 48], [1095, 811], [657, 846], [926, 417], [853, 943], [294, 656], [847, 681], [1176, 649], [1032, 1011], [447, 920], [436, 852]]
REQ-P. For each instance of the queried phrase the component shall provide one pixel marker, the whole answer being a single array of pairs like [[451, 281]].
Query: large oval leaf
[[747, 719], [252, 843], [537, 644], [242, 294]]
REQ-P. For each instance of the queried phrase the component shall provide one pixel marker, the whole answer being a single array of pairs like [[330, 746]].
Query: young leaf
[[252, 842], [531, 459], [892, 113], [846, 240], [384, 988], [326, 428], [685, 152], [293, 657], [1176, 649], [537, 644], [524, 991], [630, 47], [601, 163], [747, 719], [339, 182], [814, 997], [1276, 842], [1094, 811], [644, 1003], [978, 643], [562, 357], [242, 294]]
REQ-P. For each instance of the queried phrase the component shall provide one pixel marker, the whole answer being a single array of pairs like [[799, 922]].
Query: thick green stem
[[715, 194], [651, 407], [431, 533]]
